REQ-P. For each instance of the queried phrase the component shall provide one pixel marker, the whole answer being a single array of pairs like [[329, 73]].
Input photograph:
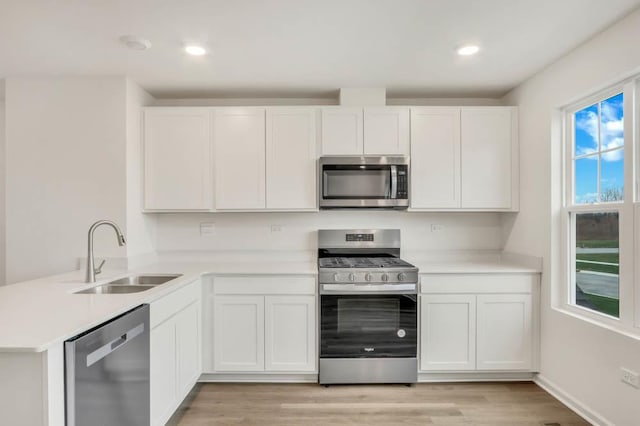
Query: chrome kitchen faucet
[[91, 270]]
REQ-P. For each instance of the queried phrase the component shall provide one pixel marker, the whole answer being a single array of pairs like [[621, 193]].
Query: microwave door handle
[[394, 182]]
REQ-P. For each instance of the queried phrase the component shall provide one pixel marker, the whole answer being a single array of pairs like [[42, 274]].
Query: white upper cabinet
[[177, 159], [291, 151], [342, 131], [435, 157], [464, 158], [370, 131], [239, 155], [488, 158], [386, 131]]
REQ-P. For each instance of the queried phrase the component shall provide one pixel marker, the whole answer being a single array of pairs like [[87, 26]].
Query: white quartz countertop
[[38, 314], [473, 267], [35, 315]]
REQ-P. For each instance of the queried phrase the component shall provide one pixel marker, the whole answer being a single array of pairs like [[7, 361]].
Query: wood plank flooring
[[485, 404]]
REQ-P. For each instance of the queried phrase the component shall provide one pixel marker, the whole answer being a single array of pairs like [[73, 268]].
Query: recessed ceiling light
[[135, 42], [195, 50], [468, 50]]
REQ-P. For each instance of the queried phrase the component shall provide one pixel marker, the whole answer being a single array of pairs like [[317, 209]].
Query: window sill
[[600, 320]]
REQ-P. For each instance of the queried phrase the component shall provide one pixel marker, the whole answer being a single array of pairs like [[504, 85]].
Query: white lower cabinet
[[238, 335], [504, 332], [289, 329], [175, 364], [164, 389], [478, 323], [268, 325], [448, 332]]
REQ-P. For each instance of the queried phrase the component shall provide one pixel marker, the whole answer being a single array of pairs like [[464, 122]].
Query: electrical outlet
[[276, 228], [436, 227], [207, 229], [629, 377]]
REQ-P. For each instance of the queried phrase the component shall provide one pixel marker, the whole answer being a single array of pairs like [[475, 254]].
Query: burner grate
[[362, 262]]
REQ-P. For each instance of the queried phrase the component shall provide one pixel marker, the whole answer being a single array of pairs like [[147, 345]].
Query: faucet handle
[[99, 268]]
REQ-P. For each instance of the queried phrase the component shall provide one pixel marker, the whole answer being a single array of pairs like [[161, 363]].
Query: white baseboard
[[259, 378], [577, 406], [475, 377]]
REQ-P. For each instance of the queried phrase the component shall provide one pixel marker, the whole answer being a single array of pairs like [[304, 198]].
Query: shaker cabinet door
[[239, 155], [291, 152], [504, 332], [342, 131], [448, 332], [386, 131], [177, 159], [486, 157], [238, 341], [435, 158], [290, 333]]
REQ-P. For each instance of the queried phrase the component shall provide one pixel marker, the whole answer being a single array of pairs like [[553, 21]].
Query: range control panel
[[359, 237]]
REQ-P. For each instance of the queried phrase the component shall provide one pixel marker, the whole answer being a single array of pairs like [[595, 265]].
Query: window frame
[[628, 212]]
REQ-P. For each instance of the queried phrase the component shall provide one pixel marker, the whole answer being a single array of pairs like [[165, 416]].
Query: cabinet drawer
[[264, 285], [173, 303], [477, 283]]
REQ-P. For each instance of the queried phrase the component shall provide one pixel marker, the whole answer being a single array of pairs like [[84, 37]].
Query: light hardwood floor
[[484, 404]]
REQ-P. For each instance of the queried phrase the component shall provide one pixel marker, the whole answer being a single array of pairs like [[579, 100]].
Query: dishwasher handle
[[116, 343]]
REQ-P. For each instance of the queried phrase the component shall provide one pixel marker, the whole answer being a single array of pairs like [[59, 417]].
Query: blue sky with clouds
[[599, 124]]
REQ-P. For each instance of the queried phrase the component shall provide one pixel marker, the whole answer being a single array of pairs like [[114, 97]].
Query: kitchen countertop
[[473, 267], [38, 314]]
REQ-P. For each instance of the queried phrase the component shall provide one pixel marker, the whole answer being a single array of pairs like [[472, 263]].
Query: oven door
[[368, 326]]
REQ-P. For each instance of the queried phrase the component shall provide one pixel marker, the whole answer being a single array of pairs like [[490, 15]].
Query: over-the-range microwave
[[364, 182]]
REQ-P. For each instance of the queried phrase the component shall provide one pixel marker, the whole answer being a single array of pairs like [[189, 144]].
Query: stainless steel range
[[368, 308]]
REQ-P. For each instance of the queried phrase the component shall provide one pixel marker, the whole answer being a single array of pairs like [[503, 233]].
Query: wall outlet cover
[[207, 229], [629, 377]]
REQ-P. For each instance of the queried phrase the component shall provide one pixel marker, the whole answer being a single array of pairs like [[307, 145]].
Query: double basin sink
[[131, 284]]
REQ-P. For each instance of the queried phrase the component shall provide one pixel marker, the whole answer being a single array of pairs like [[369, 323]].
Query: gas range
[[368, 308]]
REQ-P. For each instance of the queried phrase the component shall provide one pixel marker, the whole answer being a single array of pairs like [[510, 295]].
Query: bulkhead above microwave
[[364, 182]]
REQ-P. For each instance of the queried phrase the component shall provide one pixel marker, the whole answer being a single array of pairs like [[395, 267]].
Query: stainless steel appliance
[[107, 373], [364, 182], [368, 308]]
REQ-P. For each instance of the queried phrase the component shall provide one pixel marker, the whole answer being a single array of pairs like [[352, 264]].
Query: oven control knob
[[352, 277], [402, 276], [336, 277], [385, 277], [367, 277]]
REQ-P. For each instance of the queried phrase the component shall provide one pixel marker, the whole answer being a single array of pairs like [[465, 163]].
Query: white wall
[[579, 359], [252, 231], [65, 169], [2, 191], [139, 227]]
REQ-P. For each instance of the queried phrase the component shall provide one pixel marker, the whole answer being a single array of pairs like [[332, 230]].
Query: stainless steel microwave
[[364, 182]]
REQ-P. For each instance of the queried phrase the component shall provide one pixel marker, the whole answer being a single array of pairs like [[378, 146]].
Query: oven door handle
[[410, 288], [394, 182]]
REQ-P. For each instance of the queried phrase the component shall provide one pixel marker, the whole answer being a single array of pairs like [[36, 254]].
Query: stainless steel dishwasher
[[107, 373]]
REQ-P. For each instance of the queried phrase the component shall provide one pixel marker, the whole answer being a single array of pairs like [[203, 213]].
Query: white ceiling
[[300, 47]]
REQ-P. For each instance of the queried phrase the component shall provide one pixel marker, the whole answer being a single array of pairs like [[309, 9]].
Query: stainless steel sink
[[131, 284], [144, 280], [115, 289]]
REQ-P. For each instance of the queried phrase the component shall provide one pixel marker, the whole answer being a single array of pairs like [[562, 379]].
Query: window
[[599, 206], [599, 152]]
